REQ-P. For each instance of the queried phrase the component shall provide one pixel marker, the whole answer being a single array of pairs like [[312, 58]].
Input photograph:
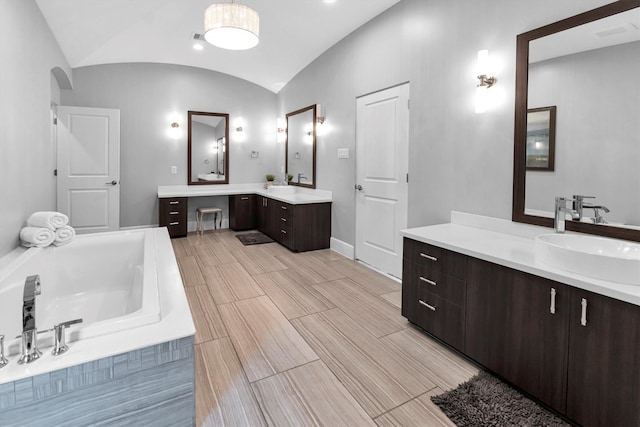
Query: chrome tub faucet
[[30, 350]]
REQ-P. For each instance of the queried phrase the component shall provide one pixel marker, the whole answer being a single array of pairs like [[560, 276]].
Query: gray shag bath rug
[[485, 401], [254, 238]]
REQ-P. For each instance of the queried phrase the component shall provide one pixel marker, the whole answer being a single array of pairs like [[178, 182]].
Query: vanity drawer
[[286, 237], [440, 318], [173, 215], [285, 211], [434, 282], [439, 259]]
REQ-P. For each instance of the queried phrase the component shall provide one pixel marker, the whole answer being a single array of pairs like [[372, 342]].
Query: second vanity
[[568, 340], [298, 218]]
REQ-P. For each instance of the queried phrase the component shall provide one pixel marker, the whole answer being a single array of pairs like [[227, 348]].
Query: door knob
[[359, 187], [114, 182]]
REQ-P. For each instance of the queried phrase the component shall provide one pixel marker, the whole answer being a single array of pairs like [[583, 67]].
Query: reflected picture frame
[[541, 139]]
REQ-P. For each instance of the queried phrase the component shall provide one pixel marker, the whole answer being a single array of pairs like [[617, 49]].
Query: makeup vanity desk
[[301, 221]]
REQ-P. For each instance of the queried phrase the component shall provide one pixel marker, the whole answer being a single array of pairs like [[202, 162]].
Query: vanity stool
[[200, 212]]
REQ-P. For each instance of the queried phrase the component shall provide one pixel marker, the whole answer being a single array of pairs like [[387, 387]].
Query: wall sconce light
[[483, 70], [239, 125], [485, 81], [319, 117], [281, 126], [174, 120]]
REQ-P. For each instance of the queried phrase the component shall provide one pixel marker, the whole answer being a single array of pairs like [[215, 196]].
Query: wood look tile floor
[[310, 339]]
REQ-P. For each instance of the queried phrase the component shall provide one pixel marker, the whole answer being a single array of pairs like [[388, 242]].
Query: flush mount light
[[231, 26]]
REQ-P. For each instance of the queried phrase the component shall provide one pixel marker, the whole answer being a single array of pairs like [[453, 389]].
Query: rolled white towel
[[36, 236], [63, 235], [50, 220]]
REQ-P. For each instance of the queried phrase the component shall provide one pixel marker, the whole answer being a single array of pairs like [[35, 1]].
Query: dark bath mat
[[484, 400], [253, 238]]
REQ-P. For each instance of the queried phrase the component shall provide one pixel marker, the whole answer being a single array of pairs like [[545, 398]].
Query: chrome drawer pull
[[431, 282], [283, 219], [429, 257], [552, 308], [174, 213], [284, 207], [583, 317], [174, 203], [430, 307], [174, 223], [244, 198], [282, 231]]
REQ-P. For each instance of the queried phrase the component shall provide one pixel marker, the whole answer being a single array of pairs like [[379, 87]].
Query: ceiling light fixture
[[231, 26]]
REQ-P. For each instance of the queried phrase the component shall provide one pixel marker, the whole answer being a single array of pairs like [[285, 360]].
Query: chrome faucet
[[30, 350], [560, 211], [579, 205], [301, 176], [598, 218]]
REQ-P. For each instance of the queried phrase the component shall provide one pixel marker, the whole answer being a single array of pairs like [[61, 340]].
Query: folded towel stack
[[45, 228]]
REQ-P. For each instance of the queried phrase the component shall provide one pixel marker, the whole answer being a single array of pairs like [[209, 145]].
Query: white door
[[382, 165], [88, 161]]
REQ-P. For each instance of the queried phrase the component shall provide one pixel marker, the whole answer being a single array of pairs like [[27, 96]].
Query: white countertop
[[302, 195], [511, 245]]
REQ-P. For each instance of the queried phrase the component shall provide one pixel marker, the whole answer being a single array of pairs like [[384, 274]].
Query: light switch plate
[[255, 154], [174, 170], [343, 153]]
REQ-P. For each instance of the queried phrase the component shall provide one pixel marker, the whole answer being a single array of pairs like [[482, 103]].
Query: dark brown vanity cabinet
[[604, 361], [303, 227], [242, 212], [517, 326], [434, 291], [173, 215], [532, 331]]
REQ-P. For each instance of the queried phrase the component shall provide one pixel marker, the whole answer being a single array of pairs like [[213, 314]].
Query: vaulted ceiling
[[292, 33]]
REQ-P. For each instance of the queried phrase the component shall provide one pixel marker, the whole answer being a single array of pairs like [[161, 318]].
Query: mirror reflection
[[208, 142], [588, 69], [301, 147]]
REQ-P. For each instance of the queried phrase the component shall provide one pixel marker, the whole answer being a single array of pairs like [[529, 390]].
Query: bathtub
[[108, 280], [125, 285]]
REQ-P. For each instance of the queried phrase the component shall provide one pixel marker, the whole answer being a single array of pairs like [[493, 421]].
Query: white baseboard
[[342, 248]]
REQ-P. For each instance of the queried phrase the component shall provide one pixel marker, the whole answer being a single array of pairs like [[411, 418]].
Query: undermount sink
[[282, 189], [597, 257]]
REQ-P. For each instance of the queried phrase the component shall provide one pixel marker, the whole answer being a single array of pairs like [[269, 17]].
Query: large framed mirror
[[588, 67], [208, 148], [300, 152]]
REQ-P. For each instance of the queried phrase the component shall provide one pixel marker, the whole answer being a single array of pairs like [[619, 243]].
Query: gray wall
[[28, 52], [459, 160], [147, 95], [597, 143]]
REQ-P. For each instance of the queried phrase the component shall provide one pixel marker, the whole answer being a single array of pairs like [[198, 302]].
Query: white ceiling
[[292, 33]]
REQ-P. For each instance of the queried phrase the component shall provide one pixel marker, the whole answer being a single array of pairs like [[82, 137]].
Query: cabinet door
[[510, 328], [262, 215], [604, 361], [242, 212]]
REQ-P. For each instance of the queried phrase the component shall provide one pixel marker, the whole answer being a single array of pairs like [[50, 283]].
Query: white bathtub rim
[[175, 323]]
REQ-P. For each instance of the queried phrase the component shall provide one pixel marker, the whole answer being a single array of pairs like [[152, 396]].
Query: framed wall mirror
[[300, 153], [586, 65], [541, 138], [208, 146]]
